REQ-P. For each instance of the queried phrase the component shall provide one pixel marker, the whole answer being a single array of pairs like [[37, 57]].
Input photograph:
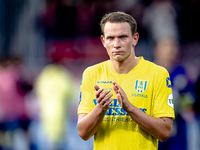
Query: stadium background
[[34, 33]]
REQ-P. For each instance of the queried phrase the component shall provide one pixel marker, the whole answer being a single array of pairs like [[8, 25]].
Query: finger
[[115, 87], [118, 90], [99, 91], [114, 83], [105, 99], [107, 103], [102, 95], [96, 87], [105, 106], [119, 98]]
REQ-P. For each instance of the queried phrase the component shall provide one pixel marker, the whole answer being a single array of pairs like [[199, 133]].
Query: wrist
[[101, 109], [130, 108]]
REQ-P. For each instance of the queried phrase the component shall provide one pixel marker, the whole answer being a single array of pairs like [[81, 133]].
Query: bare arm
[[160, 128], [88, 124]]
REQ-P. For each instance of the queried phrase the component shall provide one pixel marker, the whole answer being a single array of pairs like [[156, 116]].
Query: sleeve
[[86, 103], [163, 98]]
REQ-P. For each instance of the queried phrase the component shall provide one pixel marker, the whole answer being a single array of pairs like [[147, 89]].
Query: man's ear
[[102, 40], [135, 39]]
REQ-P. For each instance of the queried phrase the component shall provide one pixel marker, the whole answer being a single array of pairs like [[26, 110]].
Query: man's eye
[[110, 38], [122, 37]]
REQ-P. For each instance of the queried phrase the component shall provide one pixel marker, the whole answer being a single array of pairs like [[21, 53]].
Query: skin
[[119, 43]]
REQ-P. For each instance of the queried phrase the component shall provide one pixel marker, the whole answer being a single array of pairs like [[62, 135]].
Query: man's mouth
[[118, 52]]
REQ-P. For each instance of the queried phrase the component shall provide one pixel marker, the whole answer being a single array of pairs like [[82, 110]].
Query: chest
[[138, 89]]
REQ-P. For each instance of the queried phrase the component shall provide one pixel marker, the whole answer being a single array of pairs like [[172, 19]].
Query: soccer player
[[126, 102]]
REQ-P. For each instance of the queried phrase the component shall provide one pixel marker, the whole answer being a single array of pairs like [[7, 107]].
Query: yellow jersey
[[147, 86], [54, 91]]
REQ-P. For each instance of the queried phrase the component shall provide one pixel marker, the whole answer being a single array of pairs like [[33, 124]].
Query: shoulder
[[154, 68], [91, 73], [97, 67]]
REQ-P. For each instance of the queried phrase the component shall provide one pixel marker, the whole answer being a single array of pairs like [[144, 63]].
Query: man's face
[[119, 41]]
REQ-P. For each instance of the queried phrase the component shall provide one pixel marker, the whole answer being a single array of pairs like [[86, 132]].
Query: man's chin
[[119, 59]]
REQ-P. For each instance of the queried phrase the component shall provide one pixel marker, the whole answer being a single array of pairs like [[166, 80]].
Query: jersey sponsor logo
[[114, 108], [140, 86], [104, 82], [116, 113], [139, 95], [170, 101], [168, 82], [122, 119]]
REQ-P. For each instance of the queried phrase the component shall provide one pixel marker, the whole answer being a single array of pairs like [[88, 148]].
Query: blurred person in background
[[10, 11], [167, 54], [197, 109], [14, 122], [159, 18], [54, 89]]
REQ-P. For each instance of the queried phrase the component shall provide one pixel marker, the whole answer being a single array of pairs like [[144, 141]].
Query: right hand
[[103, 97]]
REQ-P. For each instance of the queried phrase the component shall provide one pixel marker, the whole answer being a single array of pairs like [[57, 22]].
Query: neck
[[123, 67]]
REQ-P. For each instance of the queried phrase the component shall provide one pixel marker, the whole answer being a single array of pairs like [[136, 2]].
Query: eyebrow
[[117, 36]]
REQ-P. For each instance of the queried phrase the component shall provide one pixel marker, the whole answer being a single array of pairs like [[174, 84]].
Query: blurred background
[[46, 44]]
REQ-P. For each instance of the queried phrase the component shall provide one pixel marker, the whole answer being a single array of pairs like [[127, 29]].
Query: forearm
[[89, 124], [160, 128]]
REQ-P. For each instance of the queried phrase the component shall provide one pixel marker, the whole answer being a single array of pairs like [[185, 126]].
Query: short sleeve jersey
[[147, 86]]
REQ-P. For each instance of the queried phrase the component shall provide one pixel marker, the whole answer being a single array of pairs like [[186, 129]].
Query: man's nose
[[117, 43]]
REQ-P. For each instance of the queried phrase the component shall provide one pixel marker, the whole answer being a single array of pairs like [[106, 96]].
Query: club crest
[[140, 86]]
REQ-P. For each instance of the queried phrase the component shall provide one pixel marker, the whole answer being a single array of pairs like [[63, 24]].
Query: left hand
[[121, 96]]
